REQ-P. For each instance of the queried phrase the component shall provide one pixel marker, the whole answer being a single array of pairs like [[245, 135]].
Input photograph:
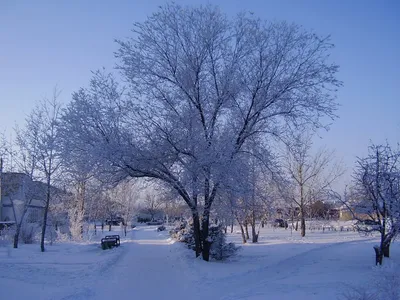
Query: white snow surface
[[149, 265]]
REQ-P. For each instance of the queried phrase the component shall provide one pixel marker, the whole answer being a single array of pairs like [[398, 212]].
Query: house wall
[[8, 213], [17, 188]]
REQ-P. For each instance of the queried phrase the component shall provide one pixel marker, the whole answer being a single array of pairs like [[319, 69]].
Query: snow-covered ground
[[149, 265]]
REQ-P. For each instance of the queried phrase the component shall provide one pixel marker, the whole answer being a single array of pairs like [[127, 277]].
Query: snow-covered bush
[[177, 230], [30, 233], [383, 286], [6, 235], [358, 294], [184, 233], [62, 236], [220, 249]]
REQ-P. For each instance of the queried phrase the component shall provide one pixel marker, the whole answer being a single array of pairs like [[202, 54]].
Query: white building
[[17, 193]]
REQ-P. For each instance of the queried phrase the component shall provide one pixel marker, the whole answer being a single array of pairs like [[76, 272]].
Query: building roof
[[21, 186]]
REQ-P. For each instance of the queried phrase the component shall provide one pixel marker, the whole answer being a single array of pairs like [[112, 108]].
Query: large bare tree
[[200, 87]]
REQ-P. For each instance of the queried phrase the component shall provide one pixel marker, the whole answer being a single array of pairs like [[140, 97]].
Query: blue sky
[[48, 43]]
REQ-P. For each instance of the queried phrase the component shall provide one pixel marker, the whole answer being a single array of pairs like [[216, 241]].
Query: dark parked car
[[158, 222], [115, 221]]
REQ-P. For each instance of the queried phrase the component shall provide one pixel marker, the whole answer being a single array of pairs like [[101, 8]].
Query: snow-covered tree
[[79, 176], [126, 196], [200, 87], [220, 249], [39, 143], [97, 202], [151, 205], [376, 192], [3, 147], [312, 174]]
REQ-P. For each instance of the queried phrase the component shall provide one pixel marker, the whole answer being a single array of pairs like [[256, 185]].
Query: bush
[[62, 236], [384, 285], [29, 233], [184, 233], [219, 250], [6, 235]]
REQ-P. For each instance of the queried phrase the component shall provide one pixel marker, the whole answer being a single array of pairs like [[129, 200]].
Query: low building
[[20, 192], [359, 212]]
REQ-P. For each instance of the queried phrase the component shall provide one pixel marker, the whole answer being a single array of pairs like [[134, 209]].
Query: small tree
[[23, 207], [377, 188], [312, 175], [152, 205], [220, 249], [27, 164], [3, 150], [39, 141], [125, 196]]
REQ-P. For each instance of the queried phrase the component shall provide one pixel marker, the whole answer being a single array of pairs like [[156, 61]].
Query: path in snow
[[152, 266], [148, 267]]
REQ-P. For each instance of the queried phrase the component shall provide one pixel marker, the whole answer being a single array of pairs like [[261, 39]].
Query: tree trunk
[[232, 227], [19, 224], [385, 246], [303, 227], [386, 250], [196, 233], [246, 228], [378, 255], [292, 220], [16, 236], [254, 235], [302, 204], [385, 241], [46, 210], [302, 222], [205, 222], [243, 234], [204, 228], [81, 205]]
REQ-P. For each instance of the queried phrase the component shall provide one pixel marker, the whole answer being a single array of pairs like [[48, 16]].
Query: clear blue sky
[[48, 43]]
